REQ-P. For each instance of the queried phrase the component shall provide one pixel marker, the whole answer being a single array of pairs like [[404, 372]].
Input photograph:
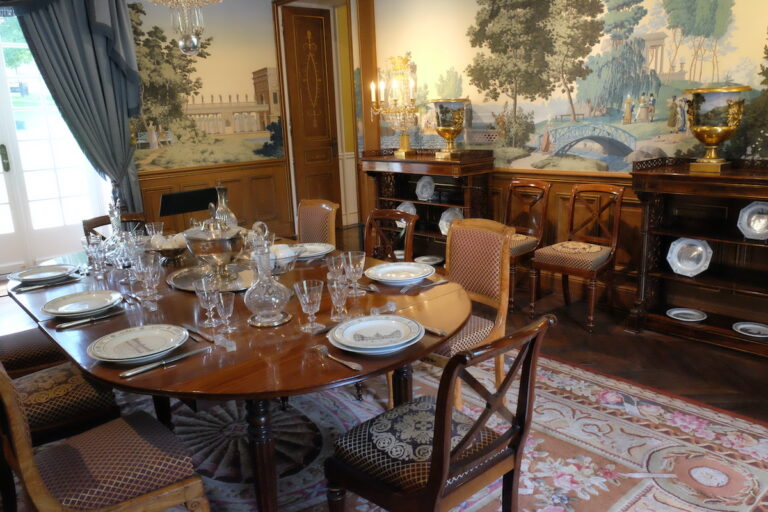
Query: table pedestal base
[[262, 453]]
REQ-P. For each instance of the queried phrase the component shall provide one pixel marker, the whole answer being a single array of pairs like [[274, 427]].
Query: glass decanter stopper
[[267, 297]]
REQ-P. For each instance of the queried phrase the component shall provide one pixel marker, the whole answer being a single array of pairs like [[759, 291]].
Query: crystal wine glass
[[354, 263], [207, 294], [335, 264], [225, 305], [310, 292], [338, 289]]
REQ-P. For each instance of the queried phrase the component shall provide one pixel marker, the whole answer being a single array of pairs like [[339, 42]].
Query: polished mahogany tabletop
[[266, 362]]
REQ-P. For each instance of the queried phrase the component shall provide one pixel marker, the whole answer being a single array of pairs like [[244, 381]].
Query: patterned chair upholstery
[[28, 351], [133, 461], [426, 454], [526, 211], [477, 257], [594, 214], [317, 221]]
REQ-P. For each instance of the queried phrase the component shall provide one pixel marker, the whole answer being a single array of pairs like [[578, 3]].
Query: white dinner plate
[[425, 188], [137, 344], [689, 257], [753, 220], [373, 352], [686, 314], [752, 329], [312, 250], [399, 273], [43, 273], [376, 332], [447, 217], [82, 303], [429, 260]]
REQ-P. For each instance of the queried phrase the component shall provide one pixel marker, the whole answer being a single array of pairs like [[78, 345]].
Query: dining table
[[260, 364]]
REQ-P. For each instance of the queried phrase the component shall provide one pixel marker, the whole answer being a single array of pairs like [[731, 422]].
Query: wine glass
[[338, 289], [208, 297], [97, 253], [309, 292], [354, 262], [335, 264], [225, 305], [154, 228]]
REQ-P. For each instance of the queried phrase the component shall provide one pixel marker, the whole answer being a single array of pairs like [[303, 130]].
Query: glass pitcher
[[267, 297]]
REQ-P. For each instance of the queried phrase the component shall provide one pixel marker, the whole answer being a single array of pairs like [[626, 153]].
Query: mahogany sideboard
[[461, 183], [734, 288]]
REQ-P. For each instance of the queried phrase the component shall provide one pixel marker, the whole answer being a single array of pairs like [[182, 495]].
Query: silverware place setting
[[422, 286]]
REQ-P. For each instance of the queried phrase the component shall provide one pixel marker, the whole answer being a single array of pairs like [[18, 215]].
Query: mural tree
[[449, 84], [514, 44], [574, 29], [166, 78], [621, 18], [703, 23]]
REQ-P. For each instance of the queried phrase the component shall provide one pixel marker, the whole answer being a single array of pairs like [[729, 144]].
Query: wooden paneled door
[[312, 109]]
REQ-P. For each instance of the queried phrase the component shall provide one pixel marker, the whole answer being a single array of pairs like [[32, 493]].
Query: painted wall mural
[[219, 106], [580, 84]]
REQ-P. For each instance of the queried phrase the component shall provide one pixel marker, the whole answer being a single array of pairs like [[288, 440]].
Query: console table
[[734, 288]]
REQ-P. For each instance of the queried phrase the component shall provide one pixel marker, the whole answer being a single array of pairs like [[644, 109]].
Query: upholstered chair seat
[[472, 334], [520, 244], [28, 351], [116, 462], [574, 255], [396, 447]]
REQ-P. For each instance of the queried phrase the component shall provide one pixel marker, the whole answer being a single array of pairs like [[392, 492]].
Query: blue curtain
[[85, 52]]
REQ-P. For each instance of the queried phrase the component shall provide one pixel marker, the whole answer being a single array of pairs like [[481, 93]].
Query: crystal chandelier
[[187, 20], [395, 100]]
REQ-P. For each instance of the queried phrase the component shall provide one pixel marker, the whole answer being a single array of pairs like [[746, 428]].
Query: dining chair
[[23, 347], [388, 229], [90, 225], [317, 221], [428, 455], [526, 211], [477, 257], [590, 247], [130, 463]]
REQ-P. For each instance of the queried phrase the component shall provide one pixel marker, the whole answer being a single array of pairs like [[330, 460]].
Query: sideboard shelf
[[734, 288]]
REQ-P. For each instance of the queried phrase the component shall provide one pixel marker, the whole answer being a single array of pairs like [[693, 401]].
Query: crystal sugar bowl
[[267, 297]]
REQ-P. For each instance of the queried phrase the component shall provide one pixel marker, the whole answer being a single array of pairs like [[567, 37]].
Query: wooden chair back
[[527, 206], [602, 205], [317, 221], [386, 230], [90, 225], [451, 463]]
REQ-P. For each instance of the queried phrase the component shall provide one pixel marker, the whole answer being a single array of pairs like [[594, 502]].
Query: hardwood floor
[[715, 376]]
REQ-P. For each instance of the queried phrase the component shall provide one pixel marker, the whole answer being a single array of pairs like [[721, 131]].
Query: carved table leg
[[263, 454], [402, 385], [163, 410]]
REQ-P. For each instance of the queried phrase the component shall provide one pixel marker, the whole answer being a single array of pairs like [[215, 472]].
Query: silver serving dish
[[184, 278], [689, 257], [753, 220], [216, 244]]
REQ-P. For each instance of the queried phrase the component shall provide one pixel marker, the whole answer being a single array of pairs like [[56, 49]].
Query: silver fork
[[323, 351], [424, 286]]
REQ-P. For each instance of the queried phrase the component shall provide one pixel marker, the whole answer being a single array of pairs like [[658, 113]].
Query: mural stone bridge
[[615, 140]]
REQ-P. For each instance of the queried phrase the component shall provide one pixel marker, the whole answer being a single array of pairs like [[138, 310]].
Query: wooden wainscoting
[[257, 190], [629, 248]]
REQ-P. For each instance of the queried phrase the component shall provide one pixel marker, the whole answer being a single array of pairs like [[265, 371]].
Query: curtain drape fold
[[84, 50]]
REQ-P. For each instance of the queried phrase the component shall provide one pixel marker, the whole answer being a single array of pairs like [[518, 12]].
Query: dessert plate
[[82, 303], [752, 329]]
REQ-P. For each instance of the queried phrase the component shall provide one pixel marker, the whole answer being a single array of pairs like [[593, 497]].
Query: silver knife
[[22, 288], [90, 319], [195, 330], [162, 362]]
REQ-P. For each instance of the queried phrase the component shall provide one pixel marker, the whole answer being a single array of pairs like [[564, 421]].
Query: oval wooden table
[[266, 362]]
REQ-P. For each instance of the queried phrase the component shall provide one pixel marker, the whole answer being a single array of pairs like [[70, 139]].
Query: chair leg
[[163, 410], [592, 295], [7, 485], [336, 498], [499, 367], [458, 400], [534, 284], [390, 393], [508, 491], [512, 281], [359, 391], [566, 290]]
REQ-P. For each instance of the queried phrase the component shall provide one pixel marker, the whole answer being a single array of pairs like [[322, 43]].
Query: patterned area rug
[[598, 445]]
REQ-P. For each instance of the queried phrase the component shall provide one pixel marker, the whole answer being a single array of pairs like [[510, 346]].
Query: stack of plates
[[138, 344], [398, 274], [82, 303], [312, 251], [43, 274], [376, 335]]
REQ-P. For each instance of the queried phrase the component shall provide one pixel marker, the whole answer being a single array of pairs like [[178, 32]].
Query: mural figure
[[672, 115]]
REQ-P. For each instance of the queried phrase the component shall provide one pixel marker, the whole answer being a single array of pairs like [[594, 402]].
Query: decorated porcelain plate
[[82, 303], [377, 331], [689, 257], [429, 260], [753, 329], [407, 207], [138, 344], [312, 250], [753, 220], [447, 217], [43, 273], [686, 314], [399, 273], [425, 187]]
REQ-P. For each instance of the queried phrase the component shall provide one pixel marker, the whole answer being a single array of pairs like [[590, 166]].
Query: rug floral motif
[[597, 445]]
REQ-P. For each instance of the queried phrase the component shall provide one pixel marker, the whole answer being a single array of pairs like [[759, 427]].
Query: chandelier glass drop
[[187, 20]]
